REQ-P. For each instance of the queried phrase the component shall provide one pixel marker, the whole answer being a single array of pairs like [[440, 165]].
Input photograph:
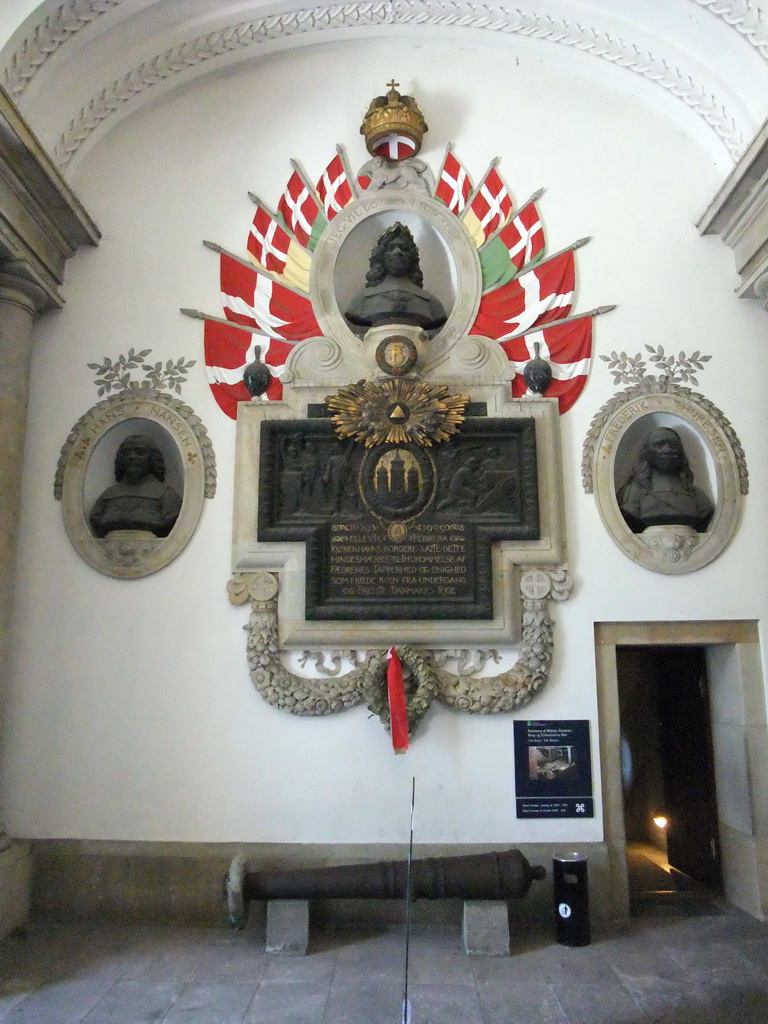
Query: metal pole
[[408, 890]]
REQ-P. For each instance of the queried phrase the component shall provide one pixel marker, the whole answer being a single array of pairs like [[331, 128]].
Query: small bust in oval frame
[[139, 499], [660, 490]]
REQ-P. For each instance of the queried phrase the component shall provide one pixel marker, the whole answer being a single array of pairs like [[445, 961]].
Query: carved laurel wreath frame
[[669, 550], [133, 554], [425, 680]]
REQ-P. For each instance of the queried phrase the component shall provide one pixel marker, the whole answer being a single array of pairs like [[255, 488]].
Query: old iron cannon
[[477, 876]]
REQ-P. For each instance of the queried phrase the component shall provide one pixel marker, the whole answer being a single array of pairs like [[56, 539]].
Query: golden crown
[[393, 114]]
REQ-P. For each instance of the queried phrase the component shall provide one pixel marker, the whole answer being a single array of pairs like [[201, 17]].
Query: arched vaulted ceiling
[[75, 68]]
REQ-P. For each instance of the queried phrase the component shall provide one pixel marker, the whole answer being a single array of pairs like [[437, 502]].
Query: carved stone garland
[[424, 680]]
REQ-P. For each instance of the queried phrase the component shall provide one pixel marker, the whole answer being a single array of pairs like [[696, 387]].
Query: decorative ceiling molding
[[742, 16], [745, 17], [42, 222], [48, 36], [397, 12]]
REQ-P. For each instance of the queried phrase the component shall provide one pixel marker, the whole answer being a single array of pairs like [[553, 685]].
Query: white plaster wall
[[13, 13], [131, 714]]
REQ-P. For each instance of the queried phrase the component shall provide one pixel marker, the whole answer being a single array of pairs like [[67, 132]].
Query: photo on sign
[[550, 763]]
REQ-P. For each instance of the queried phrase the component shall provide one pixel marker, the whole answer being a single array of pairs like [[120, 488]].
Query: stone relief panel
[[308, 490]]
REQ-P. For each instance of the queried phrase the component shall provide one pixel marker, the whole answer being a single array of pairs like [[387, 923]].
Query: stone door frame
[[740, 740]]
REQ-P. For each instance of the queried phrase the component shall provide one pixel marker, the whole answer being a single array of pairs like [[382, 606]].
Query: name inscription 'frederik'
[[677, 404]]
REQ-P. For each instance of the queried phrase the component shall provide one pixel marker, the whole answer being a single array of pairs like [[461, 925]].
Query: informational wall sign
[[553, 770]]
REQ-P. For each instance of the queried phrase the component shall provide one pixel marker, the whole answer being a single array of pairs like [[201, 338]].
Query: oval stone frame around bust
[[663, 550], [445, 224], [132, 557]]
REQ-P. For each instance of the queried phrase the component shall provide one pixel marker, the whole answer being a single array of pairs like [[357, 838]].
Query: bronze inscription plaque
[[429, 560], [398, 531]]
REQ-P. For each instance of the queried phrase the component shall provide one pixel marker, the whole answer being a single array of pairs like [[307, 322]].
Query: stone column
[[20, 302], [42, 224]]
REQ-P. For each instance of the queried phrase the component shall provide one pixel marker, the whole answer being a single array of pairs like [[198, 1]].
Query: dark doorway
[[668, 765]]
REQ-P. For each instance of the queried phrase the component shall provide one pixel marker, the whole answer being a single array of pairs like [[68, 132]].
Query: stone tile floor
[[709, 968]]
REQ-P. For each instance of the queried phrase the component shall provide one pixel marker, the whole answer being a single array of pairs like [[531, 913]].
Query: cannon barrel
[[481, 876]]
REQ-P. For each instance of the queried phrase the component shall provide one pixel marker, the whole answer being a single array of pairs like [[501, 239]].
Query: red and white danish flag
[[489, 207], [253, 299], [567, 346], [299, 207], [453, 183], [228, 350], [334, 187], [268, 242], [274, 249], [523, 236], [536, 297]]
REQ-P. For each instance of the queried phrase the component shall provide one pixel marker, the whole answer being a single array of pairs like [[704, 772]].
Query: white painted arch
[[76, 68]]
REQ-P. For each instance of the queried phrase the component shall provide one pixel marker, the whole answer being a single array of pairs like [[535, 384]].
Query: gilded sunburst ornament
[[397, 412]]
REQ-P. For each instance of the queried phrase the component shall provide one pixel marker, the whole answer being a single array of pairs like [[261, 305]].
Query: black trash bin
[[571, 888]]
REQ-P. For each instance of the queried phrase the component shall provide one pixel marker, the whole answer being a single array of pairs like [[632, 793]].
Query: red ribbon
[[398, 713]]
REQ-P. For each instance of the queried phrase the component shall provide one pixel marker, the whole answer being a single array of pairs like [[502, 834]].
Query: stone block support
[[486, 928], [288, 927], [15, 872], [738, 214]]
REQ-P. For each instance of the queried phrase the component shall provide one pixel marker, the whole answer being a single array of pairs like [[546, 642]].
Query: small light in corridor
[[660, 821]]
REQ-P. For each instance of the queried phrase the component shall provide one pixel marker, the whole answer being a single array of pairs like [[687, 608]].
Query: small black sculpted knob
[[537, 373], [256, 375]]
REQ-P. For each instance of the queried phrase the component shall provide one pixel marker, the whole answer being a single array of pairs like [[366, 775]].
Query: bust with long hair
[[394, 290], [660, 490], [139, 499]]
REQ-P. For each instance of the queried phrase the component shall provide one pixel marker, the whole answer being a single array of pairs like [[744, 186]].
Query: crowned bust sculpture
[[394, 292]]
